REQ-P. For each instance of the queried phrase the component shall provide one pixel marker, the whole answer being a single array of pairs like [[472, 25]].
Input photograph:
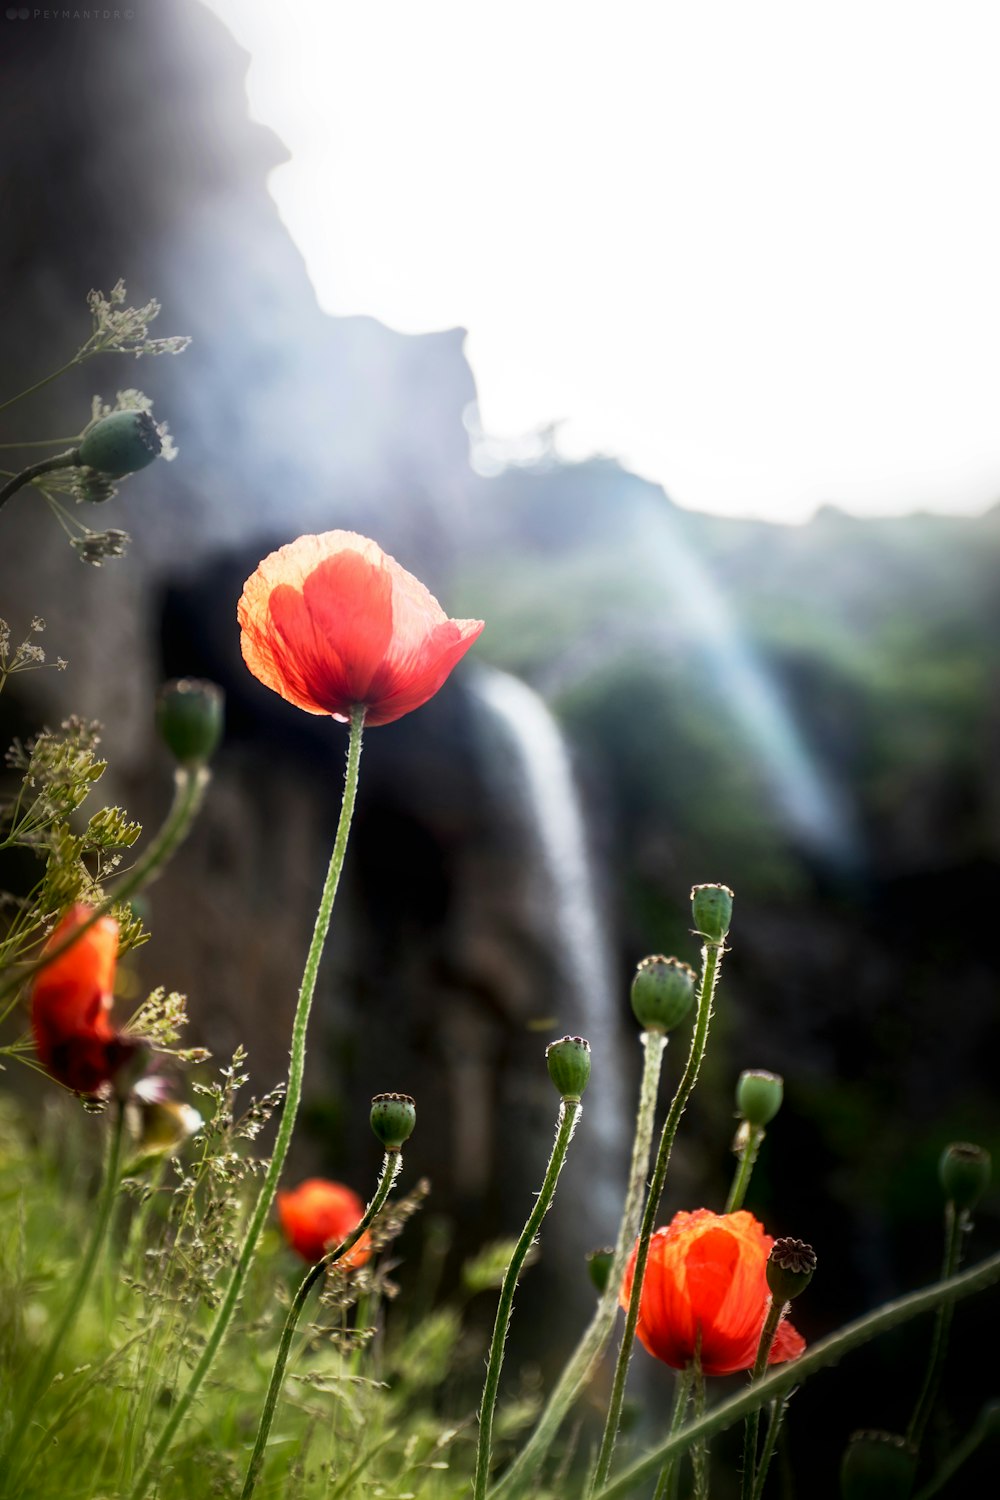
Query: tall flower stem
[[293, 1096], [711, 963], [586, 1357], [744, 1170], [955, 1221], [68, 460], [569, 1113], [780, 1380], [391, 1167], [189, 792], [752, 1424], [43, 1375], [770, 1443]]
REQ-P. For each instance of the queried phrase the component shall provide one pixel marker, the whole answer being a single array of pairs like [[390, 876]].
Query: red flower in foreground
[[331, 622], [317, 1215], [71, 1002], [707, 1272]]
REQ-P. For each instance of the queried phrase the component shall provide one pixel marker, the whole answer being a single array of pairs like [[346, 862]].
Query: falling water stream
[[536, 764]]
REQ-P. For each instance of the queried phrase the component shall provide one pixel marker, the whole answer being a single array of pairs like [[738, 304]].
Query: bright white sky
[[751, 249]]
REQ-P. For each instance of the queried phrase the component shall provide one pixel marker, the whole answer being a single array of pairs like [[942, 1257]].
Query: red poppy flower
[[71, 1001], [706, 1273], [331, 622], [317, 1215]]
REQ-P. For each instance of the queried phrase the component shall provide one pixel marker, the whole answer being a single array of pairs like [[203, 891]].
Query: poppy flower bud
[[599, 1266], [759, 1095], [121, 443], [393, 1117], [568, 1062], [789, 1268], [662, 992], [712, 909], [964, 1171], [877, 1466], [189, 719]]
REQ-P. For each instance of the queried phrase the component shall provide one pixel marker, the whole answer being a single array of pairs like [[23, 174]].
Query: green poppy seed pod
[[662, 992], [189, 718], [599, 1266], [790, 1268], [568, 1062], [121, 443], [759, 1095], [964, 1171], [393, 1117], [712, 909], [877, 1466]]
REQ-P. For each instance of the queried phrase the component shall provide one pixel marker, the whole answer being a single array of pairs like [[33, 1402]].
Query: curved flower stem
[[585, 1358], [780, 1380], [954, 1229], [752, 1424], [43, 1375], [189, 791], [569, 1113], [666, 1484], [711, 962], [744, 1171], [391, 1167], [286, 1125], [70, 459]]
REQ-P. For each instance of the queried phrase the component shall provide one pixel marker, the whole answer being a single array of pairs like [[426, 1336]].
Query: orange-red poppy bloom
[[317, 1215], [706, 1275], [71, 1002], [331, 623]]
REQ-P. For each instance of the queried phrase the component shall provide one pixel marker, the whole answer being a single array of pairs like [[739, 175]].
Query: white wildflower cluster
[[27, 656], [125, 330]]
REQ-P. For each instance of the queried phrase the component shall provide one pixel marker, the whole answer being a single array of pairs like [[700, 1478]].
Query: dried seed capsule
[[121, 443], [393, 1117], [759, 1095], [712, 909], [189, 718], [568, 1063], [662, 992]]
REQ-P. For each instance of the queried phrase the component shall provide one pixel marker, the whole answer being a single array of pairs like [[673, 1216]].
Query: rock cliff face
[[139, 161]]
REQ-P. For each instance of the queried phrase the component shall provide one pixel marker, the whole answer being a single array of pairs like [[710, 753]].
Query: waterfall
[[541, 791]]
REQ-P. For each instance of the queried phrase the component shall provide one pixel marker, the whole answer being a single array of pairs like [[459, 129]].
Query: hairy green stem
[[777, 1411], [39, 1383], [286, 1124], [666, 1484], [68, 460], [584, 1360], [780, 1380], [711, 962], [752, 1424], [569, 1113], [189, 791], [744, 1171], [954, 1228], [391, 1167]]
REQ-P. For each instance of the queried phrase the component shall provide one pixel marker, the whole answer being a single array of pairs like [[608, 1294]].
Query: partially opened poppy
[[706, 1274], [332, 623], [71, 1001], [317, 1215]]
